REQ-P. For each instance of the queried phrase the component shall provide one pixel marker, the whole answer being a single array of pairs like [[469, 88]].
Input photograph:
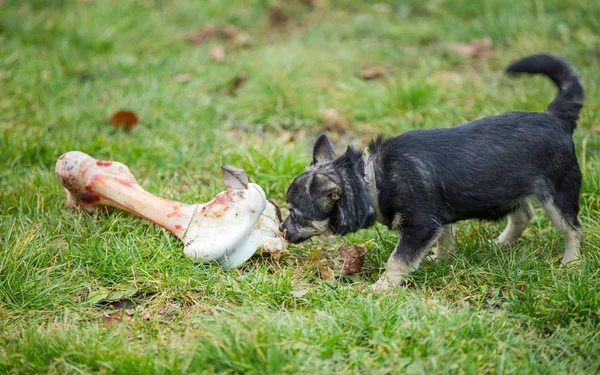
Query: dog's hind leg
[[412, 247], [517, 222], [563, 208], [569, 224]]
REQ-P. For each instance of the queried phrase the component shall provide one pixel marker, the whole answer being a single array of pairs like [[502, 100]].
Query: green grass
[[111, 293]]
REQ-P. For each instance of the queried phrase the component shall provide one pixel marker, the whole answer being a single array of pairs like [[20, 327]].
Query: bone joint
[[228, 229]]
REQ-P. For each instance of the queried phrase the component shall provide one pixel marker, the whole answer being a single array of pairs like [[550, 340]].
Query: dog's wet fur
[[428, 179]]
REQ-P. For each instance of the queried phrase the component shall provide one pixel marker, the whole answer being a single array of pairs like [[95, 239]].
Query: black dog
[[424, 180]]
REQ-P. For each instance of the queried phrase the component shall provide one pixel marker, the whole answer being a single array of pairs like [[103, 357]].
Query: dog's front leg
[[414, 244], [446, 244]]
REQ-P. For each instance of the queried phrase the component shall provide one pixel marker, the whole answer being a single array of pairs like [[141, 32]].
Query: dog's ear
[[323, 151], [323, 186]]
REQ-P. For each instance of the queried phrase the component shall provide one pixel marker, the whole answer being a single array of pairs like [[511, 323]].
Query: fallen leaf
[[333, 121], [277, 16], [235, 178], [199, 37], [125, 119], [480, 47], [237, 82], [596, 129], [217, 53], [352, 258], [242, 40], [326, 273], [146, 314], [230, 31], [182, 78], [299, 293], [110, 320], [372, 73], [297, 135]]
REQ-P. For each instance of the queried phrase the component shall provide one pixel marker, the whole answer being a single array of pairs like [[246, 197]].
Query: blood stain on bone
[[102, 163], [124, 182], [177, 227], [88, 196]]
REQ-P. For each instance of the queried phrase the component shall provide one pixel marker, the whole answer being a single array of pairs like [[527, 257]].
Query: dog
[[423, 181]]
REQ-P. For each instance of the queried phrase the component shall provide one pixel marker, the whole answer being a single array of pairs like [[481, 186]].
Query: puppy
[[423, 181]]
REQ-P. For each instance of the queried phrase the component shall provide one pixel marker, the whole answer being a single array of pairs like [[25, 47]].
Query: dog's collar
[[371, 183]]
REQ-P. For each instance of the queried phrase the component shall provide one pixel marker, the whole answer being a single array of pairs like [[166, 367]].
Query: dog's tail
[[569, 101]]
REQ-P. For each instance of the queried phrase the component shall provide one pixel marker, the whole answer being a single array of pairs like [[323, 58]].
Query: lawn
[[110, 293]]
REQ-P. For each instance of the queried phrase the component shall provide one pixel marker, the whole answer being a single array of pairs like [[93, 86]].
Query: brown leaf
[[124, 119], [235, 178], [110, 320], [297, 135], [326, 273], [199, 37], [480, 47], [352, 258], [242, 40], [277, 16], [237, 82], [596, 129], [372, 73], [333, 121], [230, 31], [182, 78], [217, 53]]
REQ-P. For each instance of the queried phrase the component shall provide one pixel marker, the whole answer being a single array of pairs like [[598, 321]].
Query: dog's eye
[[295, 214]]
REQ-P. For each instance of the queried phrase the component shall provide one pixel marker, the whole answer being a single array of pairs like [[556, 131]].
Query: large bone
[[229, 229]]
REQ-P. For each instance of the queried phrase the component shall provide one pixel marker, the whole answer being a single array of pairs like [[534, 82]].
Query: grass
[[110, 293]]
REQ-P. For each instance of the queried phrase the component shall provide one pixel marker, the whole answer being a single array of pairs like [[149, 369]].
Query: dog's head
[[312, 196]]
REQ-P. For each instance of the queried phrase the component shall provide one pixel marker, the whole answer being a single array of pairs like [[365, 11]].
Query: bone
[[228, 229]]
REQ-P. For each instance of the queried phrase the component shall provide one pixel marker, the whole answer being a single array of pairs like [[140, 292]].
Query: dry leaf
[[242, 40], [217, 53], [596, 129], [352, 258], [297, 135], [372, 73], [182, 78], [125, 119], [237, 82], [235, 178], [481, 47], [230, 31], [333, 121], [326, 273], [277, 16], [199, 37], [110, 320]]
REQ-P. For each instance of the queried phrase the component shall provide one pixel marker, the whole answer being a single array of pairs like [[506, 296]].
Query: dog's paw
[[505, 240], [569, 260], [386, 282], [432, 258]]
